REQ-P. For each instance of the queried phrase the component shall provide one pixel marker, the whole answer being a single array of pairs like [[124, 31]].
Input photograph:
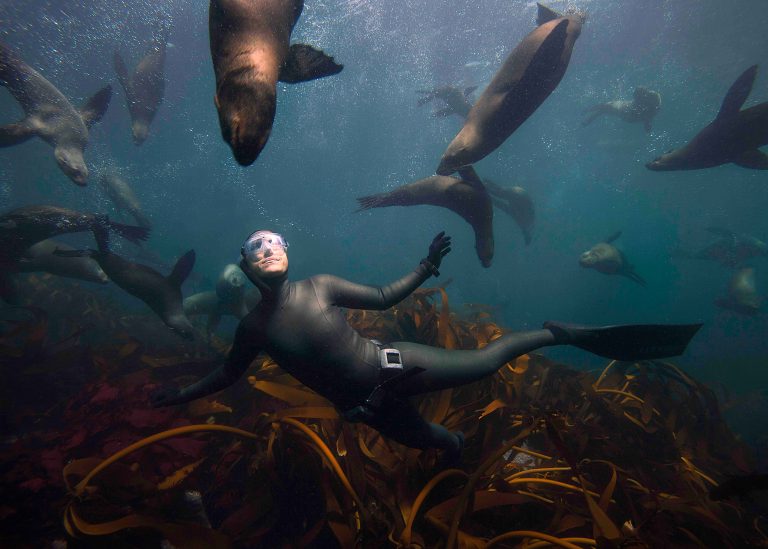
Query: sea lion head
[[669, 161], [181, 325], [600, 257], [72, 163], [484, 248], [140, 131], [246, 113], [230, 286]]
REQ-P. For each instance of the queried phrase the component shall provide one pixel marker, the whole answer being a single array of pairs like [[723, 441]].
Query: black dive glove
[[164, 396], [440, 246]]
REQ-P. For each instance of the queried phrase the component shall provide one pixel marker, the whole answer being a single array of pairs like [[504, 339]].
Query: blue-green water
[[361, 132]]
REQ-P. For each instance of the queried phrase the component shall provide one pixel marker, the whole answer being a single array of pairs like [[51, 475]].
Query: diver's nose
[[268, 252]]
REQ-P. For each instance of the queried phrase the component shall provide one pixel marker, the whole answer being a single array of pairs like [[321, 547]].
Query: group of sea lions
[[251, 50]]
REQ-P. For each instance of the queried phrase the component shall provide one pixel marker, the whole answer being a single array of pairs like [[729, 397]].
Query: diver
[[302, 327]]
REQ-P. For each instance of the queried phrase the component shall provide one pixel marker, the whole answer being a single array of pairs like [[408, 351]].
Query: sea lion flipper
[[120, 69], [738, 93], [753, 159], [182, 268], [545, 14], [469, 175], [468, 91], [613, 237], [373, 201], [443, 113], [13, 134], [96, 106], [131, 232], [305, 63]]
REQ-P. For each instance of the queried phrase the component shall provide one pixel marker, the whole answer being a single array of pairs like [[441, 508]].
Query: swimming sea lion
[[730, 249], [122, 196], [457, 101], [161, 293], [466, 196], [40, 257], [144, 88], [230, 298], [733, 136], [23, 227], [643, 107], [251, 51], [742, 293], [607, 259], [516, 202], [527, 77], [49, 115]]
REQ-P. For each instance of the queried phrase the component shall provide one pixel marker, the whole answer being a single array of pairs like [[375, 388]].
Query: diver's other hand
[[164, 396], [440, 246]]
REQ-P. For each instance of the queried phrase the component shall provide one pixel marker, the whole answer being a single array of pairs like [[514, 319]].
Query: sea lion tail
[[372, 201], [626, 342], [305, 63], [182, 268], [120, 69], [130, 232]]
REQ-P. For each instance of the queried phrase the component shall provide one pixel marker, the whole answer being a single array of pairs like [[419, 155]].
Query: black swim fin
[[626, 342]]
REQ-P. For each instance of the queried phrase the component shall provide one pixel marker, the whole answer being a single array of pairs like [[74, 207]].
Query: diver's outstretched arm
[[240, 357], [348, 294]]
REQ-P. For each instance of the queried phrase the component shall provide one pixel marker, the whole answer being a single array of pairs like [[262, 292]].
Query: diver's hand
[[164, 396], [440, 246]]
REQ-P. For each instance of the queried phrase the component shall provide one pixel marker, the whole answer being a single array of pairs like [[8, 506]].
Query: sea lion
[[733, 136], [742, 293], [144, 88], [49, 115], [25, 226], [251, 51], [230, 298], [40, 258], [515, 202], [466, 196], [643, 107], [730, 249], [607, 259], [161, 293], [122, 196], [527, 77], [457, 101]]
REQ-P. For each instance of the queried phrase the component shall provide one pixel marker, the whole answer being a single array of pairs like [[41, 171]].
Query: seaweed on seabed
[[555, 457]]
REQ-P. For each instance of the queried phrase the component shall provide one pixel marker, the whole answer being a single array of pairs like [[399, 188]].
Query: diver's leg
[[399, 420]]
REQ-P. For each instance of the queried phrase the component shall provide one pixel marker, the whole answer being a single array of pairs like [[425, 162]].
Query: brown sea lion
[[251, 51], [144, 87], [457, 101], [122, 196], [515, 202], [40, 258], [607, 259], [643, 107], [23, 227], [527, 77], [733, 136], [49, 115], [466, 196], [161, 293], [742, 293], [230, 298]]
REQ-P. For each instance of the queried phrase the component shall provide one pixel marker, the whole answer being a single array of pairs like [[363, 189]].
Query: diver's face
[[271, 259]]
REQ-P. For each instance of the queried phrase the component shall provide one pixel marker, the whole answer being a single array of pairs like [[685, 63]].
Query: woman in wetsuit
[[301, 326]]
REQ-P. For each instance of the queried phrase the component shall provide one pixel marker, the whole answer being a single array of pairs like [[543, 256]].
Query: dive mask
[[259, 242]]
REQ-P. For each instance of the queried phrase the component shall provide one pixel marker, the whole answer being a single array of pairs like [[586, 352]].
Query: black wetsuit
[[301, 326]]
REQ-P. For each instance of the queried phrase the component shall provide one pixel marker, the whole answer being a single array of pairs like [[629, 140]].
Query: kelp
[[555, 457]]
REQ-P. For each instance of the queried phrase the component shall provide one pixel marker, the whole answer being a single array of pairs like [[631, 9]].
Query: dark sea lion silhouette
[[161, 293], [25, 226], [122, 196], [607, 259], [144, 87], [251, 51], [643, 108], [742, 295], [529, 74], [40, 257], [466, 196], [733, 136], [515, 202], [49, 115], [457, 101], [730, 249]]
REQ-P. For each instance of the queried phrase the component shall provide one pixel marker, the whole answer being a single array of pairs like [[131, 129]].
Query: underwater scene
[[402, 273]]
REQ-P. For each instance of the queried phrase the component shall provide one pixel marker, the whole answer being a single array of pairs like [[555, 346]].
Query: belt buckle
[[390, 360]]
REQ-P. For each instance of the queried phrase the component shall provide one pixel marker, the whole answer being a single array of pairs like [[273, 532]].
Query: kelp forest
[[628, 457]]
